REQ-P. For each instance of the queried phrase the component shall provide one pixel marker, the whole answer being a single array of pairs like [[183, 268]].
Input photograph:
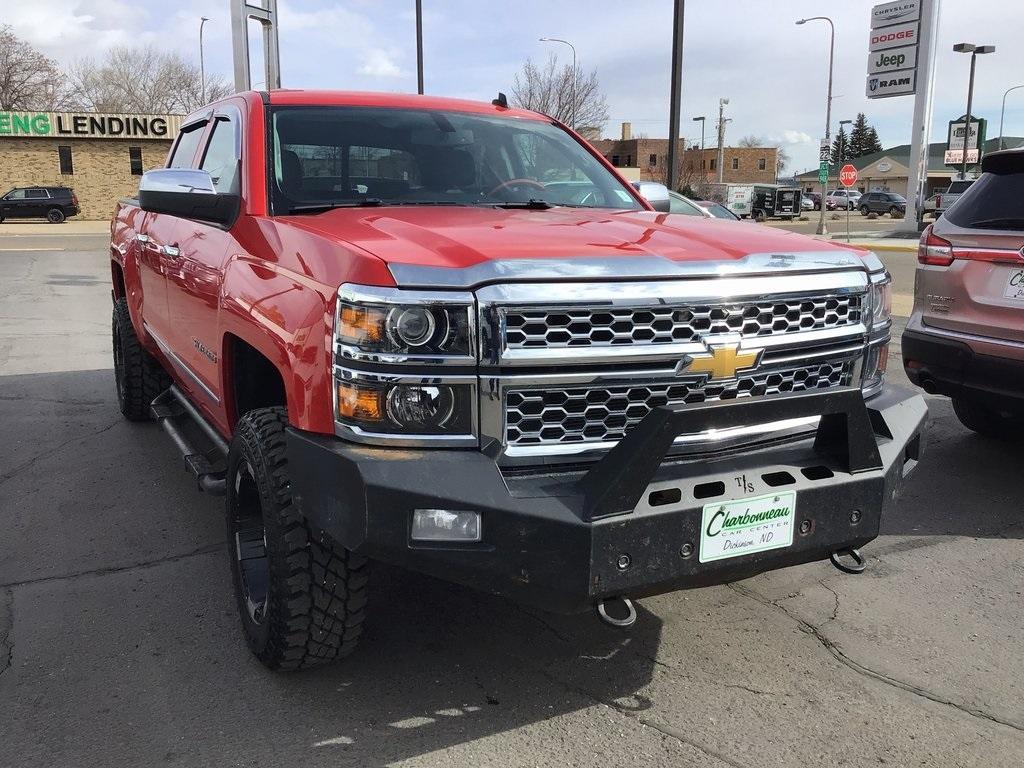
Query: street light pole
[[701, 120], [842, 144], [822, 230], [1002, 112], [575, 80], [974, 50], [202, 67]]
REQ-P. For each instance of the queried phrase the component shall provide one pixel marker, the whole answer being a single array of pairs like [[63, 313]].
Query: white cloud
[[790, 136], [378, 63]]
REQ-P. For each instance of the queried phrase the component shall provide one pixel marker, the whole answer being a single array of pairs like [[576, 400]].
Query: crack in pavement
[[51, 400], [56, 449], [865, 671], [206, 549], [7, 640]]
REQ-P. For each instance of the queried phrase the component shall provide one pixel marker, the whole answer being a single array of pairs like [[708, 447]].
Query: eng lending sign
[[87, 125], [892, 49]]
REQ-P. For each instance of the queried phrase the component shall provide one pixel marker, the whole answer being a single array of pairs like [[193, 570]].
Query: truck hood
[[408, 239]]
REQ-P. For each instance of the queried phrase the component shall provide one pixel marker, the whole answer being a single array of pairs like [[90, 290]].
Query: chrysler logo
[[722, 360]]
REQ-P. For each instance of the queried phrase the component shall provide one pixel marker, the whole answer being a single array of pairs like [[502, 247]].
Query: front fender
[[288, 318]]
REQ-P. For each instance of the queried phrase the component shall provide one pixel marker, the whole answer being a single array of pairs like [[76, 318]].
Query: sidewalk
[[72, 227]]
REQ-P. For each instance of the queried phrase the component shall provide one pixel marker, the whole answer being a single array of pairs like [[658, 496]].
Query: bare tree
[[751, 141], [142, 80], [781, 160], [549, 89], [28, 78]]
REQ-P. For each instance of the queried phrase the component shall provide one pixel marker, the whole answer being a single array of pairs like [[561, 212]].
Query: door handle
[[141, 238], [170, 251]]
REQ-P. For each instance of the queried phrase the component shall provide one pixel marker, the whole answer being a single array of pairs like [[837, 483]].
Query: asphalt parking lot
[[119, 643]]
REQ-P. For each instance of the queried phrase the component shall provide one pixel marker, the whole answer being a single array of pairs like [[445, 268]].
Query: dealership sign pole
[[901, 62]]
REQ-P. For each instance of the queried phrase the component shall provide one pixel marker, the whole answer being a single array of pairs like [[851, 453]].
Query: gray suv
[[882, 202], [965, 338]]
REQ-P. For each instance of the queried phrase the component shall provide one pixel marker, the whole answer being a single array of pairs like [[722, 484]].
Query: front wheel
[[864, 210], [894, 213], [55, 215], [988, 422], [301, 596], [759, 216]]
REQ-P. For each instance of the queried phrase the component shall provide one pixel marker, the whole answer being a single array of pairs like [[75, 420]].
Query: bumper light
[[444, 525]]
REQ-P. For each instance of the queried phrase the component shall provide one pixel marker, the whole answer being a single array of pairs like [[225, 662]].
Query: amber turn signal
[[358, 403], [361, 324]]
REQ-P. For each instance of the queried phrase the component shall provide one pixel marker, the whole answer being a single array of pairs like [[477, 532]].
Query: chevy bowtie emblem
[[721, 361]]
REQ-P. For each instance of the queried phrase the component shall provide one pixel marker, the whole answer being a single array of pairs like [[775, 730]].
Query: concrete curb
[[45, 228]]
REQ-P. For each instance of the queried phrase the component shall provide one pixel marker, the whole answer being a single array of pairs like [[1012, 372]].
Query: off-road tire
[[55, 216], [987, 421], [315, 590], [137, 374]]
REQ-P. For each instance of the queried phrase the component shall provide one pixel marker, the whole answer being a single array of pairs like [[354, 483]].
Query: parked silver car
[[965, 338]]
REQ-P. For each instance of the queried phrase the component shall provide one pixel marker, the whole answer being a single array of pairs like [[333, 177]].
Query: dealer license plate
[[742, 527], [1015, 285]]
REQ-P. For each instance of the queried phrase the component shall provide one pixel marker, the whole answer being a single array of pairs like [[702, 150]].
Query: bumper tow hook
[[623, 612], [848, 561]]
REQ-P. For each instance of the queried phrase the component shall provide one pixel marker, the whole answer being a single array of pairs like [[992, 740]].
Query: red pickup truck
[[447, 335]]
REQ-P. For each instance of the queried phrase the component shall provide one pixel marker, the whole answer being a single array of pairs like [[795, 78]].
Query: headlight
[[875, 363], [377, 321], [881, 301], [405, 367]]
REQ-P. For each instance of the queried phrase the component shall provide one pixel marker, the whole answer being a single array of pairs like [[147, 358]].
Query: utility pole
[[676, 92], [202, 66], [419, 47], [721, 137]]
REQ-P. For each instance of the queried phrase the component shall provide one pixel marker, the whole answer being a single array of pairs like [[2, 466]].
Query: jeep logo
[[885, 60]]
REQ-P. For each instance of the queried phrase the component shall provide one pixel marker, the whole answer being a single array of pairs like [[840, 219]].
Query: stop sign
[[848, 175]]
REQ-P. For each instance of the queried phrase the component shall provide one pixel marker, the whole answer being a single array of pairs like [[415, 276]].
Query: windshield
[[325, 157], [679, 204], [720, 211]]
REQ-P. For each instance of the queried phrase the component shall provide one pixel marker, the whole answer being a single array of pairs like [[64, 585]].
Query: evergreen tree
[[872, 142], [858, 137], [840, 147]]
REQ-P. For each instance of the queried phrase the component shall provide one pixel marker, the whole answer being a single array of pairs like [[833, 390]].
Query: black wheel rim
[[250, 543]]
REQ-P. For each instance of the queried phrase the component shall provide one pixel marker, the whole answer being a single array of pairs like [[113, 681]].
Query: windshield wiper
[[533, 204], [368, 202], [1007, 223]]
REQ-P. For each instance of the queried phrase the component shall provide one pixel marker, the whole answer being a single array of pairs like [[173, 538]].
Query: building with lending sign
[[100, 156]]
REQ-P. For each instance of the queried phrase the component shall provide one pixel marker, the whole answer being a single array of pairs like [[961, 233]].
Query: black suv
[[883, 202], [51, 203]]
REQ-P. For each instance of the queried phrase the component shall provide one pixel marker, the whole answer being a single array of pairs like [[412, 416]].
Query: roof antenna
[[501, 101]]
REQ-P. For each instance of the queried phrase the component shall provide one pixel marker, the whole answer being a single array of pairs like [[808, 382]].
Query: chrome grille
[[589, 327], [547, 417]]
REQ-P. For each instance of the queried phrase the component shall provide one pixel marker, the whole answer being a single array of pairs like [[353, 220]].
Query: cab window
[[221, 157], [188, 143]]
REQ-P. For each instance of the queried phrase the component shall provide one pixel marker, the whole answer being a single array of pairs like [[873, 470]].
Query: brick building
[[650, 157], [100, 156]]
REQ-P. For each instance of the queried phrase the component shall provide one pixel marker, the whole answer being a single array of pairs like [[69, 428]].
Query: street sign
[[823, 173], [891, 84], [848, 175], [892, 59], [824, 152], [899, 12]]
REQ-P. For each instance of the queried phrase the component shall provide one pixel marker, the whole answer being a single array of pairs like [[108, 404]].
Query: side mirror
[[654, 193], [188, 193]]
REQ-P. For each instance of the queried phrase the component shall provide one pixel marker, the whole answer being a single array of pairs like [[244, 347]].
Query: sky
[[773, 72]]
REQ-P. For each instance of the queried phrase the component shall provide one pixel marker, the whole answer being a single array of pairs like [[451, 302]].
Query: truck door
[[194, 278], [157, 239]]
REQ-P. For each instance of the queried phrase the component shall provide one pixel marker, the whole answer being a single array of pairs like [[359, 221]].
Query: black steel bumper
[[949, 367], [556, 540]]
